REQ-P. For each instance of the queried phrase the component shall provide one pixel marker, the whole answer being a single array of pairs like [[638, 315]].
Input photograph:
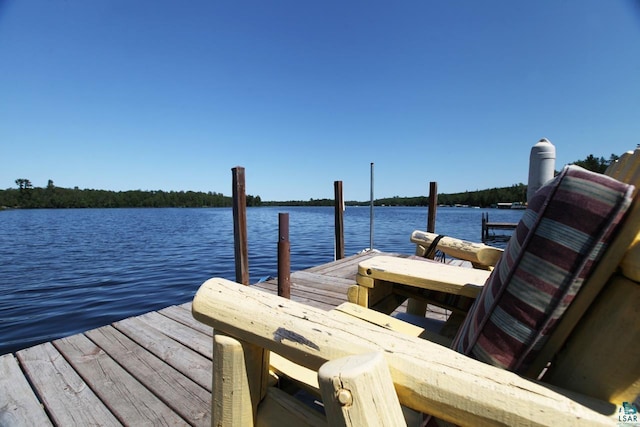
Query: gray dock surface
[[152, 369]]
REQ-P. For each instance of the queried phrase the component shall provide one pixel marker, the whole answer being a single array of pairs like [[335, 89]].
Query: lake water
[[68, 271]]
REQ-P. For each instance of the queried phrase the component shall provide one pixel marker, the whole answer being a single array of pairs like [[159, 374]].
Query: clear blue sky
[[170, 95]]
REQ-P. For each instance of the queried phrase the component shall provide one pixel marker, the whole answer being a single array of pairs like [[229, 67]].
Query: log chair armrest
[[427, 377], [477, 253], [434, 276]]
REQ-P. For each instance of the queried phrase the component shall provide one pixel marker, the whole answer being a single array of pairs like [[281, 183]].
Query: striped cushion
[[561, 236]]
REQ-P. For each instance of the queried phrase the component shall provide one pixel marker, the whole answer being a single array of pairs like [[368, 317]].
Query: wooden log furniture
[[385, 282], [610, 292], [480, 255], [426, 376], [369, 364]]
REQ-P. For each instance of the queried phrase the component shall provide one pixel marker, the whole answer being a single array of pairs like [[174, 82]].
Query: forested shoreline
[[51, 197], [26, 196]]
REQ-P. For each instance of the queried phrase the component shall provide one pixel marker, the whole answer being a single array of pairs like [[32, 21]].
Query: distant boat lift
[[488, 226]]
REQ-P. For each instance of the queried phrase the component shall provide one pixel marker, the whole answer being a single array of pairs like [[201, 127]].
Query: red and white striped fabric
[[562, 235]]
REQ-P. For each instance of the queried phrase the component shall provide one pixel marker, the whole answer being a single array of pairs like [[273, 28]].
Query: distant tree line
[[28, 196], [482, 198], [486, 198]]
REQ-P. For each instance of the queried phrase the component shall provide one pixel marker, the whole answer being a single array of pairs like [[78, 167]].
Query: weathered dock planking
[[153, 369]]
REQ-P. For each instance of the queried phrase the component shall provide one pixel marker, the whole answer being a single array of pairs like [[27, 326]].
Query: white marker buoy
[[542, 163]]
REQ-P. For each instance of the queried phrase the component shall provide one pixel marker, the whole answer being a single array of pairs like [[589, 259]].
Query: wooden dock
[[153, 369]]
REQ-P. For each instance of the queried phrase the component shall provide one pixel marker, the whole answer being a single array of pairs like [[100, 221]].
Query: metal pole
[[241, 251], [371, 212], [284, 256], [339, 220]]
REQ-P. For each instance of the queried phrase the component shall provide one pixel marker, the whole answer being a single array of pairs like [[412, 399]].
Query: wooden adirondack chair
[[385, 281], [356, 386], [378, 276], [361, 360]]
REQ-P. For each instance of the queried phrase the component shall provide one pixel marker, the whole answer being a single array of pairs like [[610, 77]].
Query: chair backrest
[[626, 168], [568, 244], [601, 356]]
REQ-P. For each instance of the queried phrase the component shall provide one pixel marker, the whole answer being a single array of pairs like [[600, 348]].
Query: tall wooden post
[[339, 220], [241, 251], [433, 207], [284, 256], [415, 306], [485, 229]]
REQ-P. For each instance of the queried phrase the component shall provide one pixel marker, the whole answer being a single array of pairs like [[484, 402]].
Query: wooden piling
[[487, 226], [433, 207], [485, 230], [339, 220], [241, 251], [284, 256]]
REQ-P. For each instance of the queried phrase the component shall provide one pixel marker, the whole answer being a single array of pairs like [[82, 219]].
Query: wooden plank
[[309, 290], [427, 376], [427, 275], [336, 264], [316, 289], [347, 270], [343, 268], [323, 303], [322, 281], [129, 400], [18, 403], [269, 287], [184, 396], [68, 399], [179, 332], [187, 361], [182, 313]]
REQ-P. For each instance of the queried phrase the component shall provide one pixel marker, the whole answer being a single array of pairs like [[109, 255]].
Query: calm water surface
[[68, 271]]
